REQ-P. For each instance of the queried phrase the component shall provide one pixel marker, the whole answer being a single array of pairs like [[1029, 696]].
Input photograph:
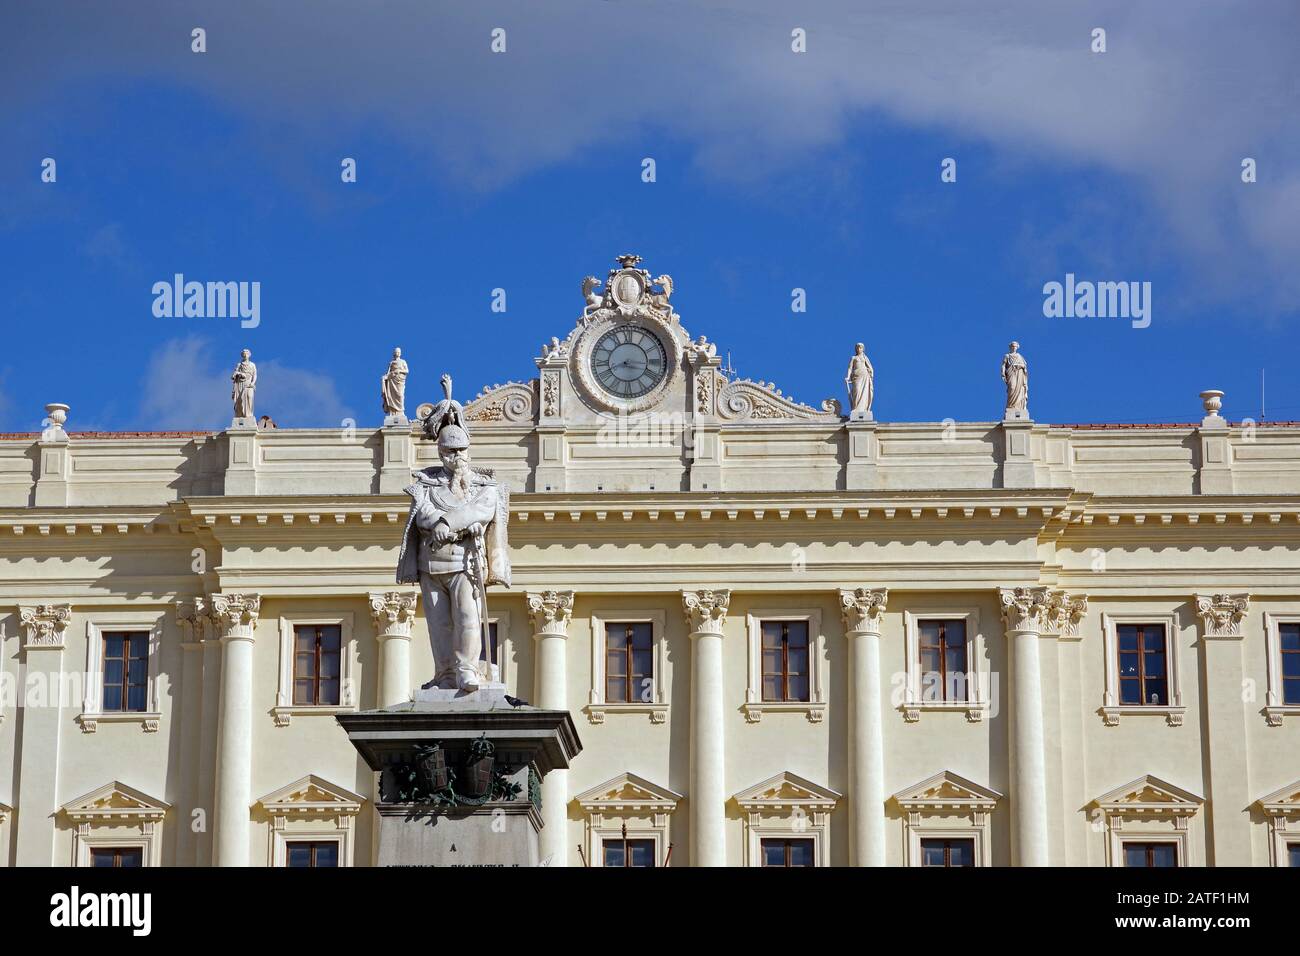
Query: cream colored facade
[[717, 505]]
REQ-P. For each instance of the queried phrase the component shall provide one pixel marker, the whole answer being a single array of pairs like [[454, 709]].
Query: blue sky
[[522, 171]]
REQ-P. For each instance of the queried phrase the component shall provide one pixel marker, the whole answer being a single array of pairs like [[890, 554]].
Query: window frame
[[1111, 708], [1149, 842], [296, 820], [92, 703], [946, 840], [314, 842], [1275, 709], [625, 840], [947, 806], [977, 681], [505, 650], [786, 806], [114, 848], [643, 807], [657, 707], [814, 708], [1148, 821], [97, 824], [786, 840], [285, 709], [1282, 808]]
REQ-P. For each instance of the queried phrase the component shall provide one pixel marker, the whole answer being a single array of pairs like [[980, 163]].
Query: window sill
[[1274, 713], [596, 712], [282, 715], [148, 720], [1173, 715], [814, 711], [973, 709]]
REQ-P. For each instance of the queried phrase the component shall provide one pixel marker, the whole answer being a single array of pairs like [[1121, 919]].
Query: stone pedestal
[[448, 825], [861, 471]]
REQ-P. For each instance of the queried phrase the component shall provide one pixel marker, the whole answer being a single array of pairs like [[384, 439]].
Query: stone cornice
[[705, 610], [551, 612]]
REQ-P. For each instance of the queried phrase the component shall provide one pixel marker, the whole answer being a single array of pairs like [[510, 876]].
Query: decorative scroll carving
[[705, 610], [512, 402], [1025, 609], [1064, 612], [863, 609], [747, 400], [44, 624], [393, 612], [234, 615], [551, 611], [1222, 614]]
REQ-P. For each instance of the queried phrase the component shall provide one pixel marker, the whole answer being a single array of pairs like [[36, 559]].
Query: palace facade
[[787, 637]]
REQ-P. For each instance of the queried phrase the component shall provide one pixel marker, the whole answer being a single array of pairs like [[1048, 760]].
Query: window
[[316, 667], [948, 852], [492, 640], [787, 852], [1141, 668], [947, 667], [785, 820], [121, 683], [1143, 673], [1293, 854], [1148, 813], [943, 660], [624, 816], [312, 853], [132, 856], [316, 664], [1150, 854], [946, 821], [785, 660], [624, 852], [1289, 647], [629, 662], [312, 823], [786, 648], [629, 665], [1282, 808], [126, 671]]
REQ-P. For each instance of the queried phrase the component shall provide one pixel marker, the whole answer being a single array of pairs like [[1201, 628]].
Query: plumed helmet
[[452, 437]]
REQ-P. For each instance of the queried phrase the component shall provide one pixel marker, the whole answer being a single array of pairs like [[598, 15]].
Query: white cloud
[[1183, 93], [186, 386]]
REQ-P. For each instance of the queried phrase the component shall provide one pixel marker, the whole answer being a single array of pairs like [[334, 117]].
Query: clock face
[[628, 361]]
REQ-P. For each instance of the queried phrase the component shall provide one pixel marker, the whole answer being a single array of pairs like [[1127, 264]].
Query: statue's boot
[[467, 678]]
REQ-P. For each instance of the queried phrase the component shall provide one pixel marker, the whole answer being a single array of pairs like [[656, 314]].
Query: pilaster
[[41, 693], [392, 613]]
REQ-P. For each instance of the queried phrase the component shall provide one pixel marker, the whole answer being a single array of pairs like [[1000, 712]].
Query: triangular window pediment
[[628, 791], [787, 790], [1149, 794], [1281, 802], [945, 791], [311, 794], [115, 801]]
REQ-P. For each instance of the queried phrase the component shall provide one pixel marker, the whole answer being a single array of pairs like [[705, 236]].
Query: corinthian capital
[[1025, 609], [551, 611], [1065, 611], [1222, 614], [863, 609], [233, 615], [192, 614], [393, 612], [705, 610], [44, 624]]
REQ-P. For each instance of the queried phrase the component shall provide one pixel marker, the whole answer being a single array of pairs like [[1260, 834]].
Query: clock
[[628, 362]]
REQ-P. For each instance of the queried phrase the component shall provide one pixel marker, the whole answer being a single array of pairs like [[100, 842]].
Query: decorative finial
[[627, 261], [446, 385]]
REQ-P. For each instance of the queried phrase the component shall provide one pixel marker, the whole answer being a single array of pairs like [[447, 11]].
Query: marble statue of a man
[[1016, 374], [861, 382], [245, 383], [392, 387], [455, 546]]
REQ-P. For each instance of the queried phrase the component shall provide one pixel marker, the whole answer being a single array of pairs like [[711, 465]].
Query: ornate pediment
[[511, 403], [1284, 802], [626, 792], [115, 801], [947, 792], [1149, 795], [787, 791], [745, 400], [311, 795]]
